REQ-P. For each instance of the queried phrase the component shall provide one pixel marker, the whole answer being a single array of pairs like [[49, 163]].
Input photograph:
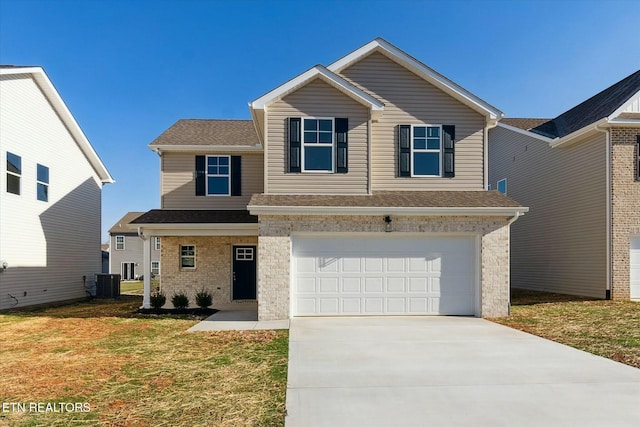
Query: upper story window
[[502, 186], [426, 151], [317, 145], [42, 186], [218, 176], [119, 243], [14, 173], [156, 243]]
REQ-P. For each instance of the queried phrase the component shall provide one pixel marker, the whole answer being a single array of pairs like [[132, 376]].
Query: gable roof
[[195, 133], [412, 64], [599, 106], [122, 225], [52, 95], [524, 123]]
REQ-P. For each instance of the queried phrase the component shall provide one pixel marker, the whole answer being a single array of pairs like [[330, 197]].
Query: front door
[[244, 272]]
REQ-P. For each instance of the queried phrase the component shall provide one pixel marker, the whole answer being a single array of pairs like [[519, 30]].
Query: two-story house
[[126, 253], [580, 175], [50, 194], [356, 189]]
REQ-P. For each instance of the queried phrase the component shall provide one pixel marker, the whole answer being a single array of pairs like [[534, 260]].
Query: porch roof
[[193, 216]]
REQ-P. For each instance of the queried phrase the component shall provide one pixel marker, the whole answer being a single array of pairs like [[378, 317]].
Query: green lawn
[[131, 288], [608, 328], [136, 371]]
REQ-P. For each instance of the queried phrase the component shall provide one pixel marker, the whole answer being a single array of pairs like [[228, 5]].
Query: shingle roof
[[209, 132], [122, 225], [523, 122], [444, 199], [175, 216], [593, 109]]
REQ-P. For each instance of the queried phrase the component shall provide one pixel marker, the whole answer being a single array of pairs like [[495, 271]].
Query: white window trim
[[123, 243], [244, 253], [207, 175], [157, 262], [19, 175], [316, 144], [195, 253], [638, 158], [426, 150], [156, 243], [46, 184], [505, 186]]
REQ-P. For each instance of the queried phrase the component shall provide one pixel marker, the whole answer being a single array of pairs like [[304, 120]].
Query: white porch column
[[146, 244]]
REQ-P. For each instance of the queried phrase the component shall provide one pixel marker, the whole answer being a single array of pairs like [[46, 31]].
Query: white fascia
[[52, 95], [525, 132], [193, 229], [421, 70], [208, 148], [329, 77], [380, 210]]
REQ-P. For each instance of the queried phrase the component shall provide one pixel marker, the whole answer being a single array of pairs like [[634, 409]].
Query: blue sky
[[129, 69]]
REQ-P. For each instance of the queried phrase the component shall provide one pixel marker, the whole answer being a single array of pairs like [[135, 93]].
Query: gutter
[[381, 210]]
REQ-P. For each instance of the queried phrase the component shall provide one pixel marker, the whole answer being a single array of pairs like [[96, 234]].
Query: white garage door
[[383, 275], [635, 267]]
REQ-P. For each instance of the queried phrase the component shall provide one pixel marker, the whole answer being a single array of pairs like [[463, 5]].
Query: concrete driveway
[[448, 371]]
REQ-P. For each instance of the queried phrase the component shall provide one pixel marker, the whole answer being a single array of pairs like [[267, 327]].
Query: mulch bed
[[195, 312]]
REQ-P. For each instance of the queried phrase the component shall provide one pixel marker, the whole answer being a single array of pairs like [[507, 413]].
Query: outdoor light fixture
[[3, 266], [387, 219]]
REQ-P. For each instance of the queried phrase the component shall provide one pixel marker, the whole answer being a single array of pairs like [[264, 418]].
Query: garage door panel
[[634, 268], [383, 275]]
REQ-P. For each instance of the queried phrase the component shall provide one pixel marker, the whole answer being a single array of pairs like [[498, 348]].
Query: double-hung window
[[187, 256], [218, 176], [42, 186], [426, 150], [119, 243], [14, 173], [317, 145], [156, 243], [155, 267]]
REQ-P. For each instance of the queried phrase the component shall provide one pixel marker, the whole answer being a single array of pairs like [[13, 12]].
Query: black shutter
[[294, 144], [404, 150], [448, 143], [200, 176], [236, 176], [342, 152]]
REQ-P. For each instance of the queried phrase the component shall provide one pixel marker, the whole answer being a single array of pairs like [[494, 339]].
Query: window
[[638, 158], [155, 267], [317, 145], [426, 151], [156, 243], [42, 186], [244, 254], [489, 187], [218, 176], [119, 243], [502, 186], [14, 172], [187, 256]]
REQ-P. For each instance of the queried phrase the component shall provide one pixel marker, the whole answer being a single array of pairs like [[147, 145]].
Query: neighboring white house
[[50, 194], [126, 250]]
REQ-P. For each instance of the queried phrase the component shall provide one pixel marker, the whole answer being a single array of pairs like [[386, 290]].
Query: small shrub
[[180, 300], [158, 299], [204, 299]]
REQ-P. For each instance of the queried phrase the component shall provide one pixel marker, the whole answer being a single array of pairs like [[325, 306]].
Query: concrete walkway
[[237, 320], [448, 371]]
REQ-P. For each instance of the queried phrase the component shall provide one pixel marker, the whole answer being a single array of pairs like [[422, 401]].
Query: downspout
[[369, 152], [608, 207], [513, 219], [489, 124]]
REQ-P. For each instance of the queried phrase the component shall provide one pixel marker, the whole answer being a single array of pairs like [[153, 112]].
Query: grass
[[608, 328], [131, 288], [137, 371]]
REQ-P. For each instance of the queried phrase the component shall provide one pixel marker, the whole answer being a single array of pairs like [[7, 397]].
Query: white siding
[[178, 182], [408, 99], [317, 99], [133, 252], [49, 246], [560, 245]]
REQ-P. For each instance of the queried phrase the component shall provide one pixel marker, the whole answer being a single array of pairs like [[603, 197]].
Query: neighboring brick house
[[51, 182], [580, 175], [126, 257], [356, 189]]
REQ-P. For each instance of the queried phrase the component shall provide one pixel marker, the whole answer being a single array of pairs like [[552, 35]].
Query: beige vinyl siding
[[49, 246], [408, 99], [317, 99], [560, 244], [179, 189]]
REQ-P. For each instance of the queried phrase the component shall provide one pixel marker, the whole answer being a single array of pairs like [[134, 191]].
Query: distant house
[[580, 175], [126, 257], [50, 194], [356, 189], [105, 259]]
